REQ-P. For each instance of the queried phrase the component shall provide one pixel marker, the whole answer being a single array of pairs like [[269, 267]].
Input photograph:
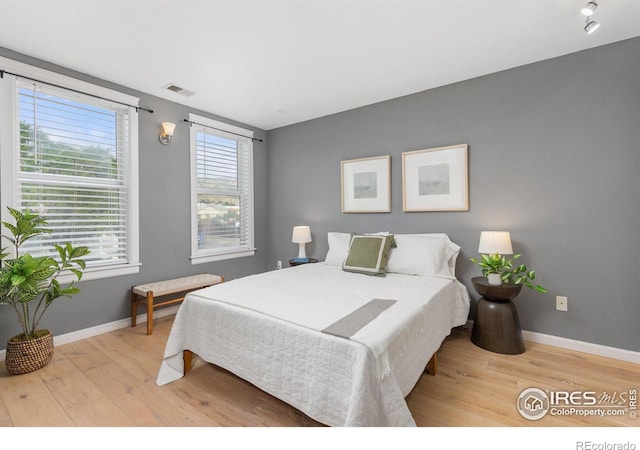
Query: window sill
[[201, 259], [97, 273]]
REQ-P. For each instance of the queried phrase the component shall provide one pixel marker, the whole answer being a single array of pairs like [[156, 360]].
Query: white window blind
[[222, 196], [72, 172]]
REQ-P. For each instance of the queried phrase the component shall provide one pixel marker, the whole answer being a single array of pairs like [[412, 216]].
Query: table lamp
[[492, 242], [301, 235]]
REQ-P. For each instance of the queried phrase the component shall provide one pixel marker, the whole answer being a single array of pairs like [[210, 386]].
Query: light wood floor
[[109, 380]]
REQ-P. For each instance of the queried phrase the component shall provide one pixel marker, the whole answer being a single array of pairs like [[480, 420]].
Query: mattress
[[266, 329]]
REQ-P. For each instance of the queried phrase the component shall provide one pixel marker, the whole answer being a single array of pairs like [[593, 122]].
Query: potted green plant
[[499, 269], [29, 284]]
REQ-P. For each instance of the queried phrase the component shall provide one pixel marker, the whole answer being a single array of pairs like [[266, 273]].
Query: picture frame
[[435, 179], [365, 185]]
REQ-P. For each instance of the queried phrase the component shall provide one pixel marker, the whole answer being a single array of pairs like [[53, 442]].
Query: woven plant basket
[[27, 356]]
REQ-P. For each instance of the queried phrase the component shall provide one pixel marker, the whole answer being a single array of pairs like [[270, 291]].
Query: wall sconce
[[301, 235], [167, 132]]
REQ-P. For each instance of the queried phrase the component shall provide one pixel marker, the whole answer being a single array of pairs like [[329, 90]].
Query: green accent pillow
[[368, 254]]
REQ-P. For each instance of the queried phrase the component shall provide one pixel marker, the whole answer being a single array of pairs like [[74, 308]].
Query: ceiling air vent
[[178, 90]]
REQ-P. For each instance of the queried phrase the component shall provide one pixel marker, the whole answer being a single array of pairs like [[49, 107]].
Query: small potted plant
[[498, 269], [29, 284]]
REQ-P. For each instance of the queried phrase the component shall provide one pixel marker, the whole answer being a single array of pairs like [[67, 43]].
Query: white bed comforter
[[265, 328]]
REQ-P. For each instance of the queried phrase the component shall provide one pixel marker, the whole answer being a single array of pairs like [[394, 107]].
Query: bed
[[276, 330]]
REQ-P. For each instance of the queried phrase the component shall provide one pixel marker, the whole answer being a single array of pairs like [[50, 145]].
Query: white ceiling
[[273, 63]]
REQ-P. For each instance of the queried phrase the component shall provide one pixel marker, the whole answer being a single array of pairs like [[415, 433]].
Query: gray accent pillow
[[368, 254]]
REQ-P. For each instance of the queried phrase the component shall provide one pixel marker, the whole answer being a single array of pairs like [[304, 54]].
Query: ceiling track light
[[589, 9], [591, 26]]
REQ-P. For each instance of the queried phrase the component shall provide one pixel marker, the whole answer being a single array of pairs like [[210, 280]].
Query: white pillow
[[338, 248], [453, 249], [430, 254]]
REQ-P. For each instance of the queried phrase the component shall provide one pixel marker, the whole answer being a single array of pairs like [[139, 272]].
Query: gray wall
[[164, 219], [554, 157]]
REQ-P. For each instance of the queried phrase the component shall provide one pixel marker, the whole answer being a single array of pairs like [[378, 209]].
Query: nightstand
[[293, 262], [496, 326]]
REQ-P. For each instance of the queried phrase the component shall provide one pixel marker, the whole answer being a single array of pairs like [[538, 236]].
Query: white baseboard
[[104, 328], [581, 346], [578, 346]]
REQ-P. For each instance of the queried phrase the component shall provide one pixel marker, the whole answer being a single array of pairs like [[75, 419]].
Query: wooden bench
[[146, 293]]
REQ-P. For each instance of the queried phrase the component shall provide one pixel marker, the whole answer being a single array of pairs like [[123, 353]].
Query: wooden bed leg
[[134, 308], [187, 357], [432, 365]]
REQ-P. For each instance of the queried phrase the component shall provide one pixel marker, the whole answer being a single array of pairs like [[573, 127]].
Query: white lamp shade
[[301, 235], [492, 242], [168, 128]]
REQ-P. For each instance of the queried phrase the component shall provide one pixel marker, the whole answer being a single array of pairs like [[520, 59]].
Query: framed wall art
[[366, 185], [435, 179]]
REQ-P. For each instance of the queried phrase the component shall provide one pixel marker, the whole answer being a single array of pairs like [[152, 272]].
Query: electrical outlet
[[279, 265], [562, 303]]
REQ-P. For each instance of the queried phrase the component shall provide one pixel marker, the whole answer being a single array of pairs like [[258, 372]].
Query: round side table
[[496, 326]]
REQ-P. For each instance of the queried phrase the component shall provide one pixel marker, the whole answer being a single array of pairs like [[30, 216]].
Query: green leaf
[[68, 292], [12, 228], [79, 252], [61, 252], [77, 272], [80, 263], [17, 279], [26, 297]]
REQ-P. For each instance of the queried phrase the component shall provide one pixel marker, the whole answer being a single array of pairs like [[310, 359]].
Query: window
[[221, 191], [73, 160]]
